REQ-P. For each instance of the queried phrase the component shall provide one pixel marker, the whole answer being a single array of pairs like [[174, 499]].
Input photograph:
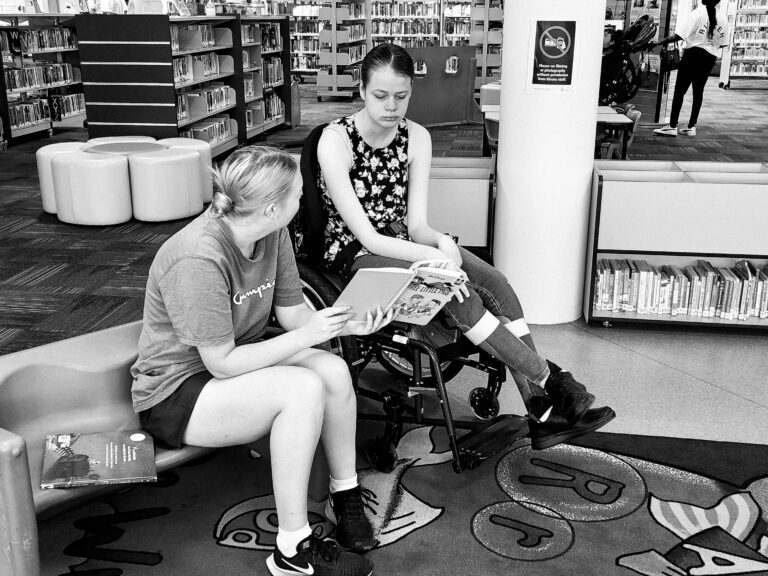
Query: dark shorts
[[168, 420]]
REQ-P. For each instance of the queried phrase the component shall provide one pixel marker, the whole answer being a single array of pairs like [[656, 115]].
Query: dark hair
[[386, 56], [710, 4]]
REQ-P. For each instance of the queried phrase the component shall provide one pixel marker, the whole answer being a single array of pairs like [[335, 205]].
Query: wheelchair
[[422, 359]]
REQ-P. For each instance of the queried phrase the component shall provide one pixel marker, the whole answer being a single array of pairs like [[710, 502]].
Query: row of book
[[251, 58], [307, 26], [38, 76], [306, 10], [462, 28], [252, 85], [405, 27], [29, 113], [267, 34], [738, 292], [356, 53], [213, 130], [274, 107], [198, 67], [458, 11], [19, 41], [394, 9], [305, 44], [213, 98], [192, 36], [272, 71], [305, 61], [423, 42], [66, 105]]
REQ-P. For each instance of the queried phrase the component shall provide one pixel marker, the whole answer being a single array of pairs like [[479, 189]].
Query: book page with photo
[[417, 293]]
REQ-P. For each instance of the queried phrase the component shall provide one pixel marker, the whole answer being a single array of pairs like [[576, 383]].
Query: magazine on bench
[[417, 293], [86, 459]]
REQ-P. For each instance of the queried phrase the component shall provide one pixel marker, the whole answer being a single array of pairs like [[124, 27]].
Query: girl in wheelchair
[[374, 170], [207, 376]]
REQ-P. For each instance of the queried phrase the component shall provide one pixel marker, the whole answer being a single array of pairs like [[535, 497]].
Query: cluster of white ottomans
[[113, 179]]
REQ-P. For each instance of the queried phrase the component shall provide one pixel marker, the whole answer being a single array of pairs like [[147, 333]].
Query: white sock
[[339, 485], [287, 540]]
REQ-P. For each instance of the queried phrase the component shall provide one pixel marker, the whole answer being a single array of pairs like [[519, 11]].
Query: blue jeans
[[490, 297]]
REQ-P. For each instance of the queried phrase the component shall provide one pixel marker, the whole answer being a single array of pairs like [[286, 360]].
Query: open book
[[116, 457], [417, 293]]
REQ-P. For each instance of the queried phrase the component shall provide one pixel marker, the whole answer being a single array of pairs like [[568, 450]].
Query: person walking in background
[[704, 33]]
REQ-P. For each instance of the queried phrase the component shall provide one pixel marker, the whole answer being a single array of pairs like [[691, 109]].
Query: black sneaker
[[319, 558], [547, 427], [569, 397], [346, 509]]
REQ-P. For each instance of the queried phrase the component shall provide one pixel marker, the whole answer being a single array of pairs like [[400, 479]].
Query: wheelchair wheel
[[320, 293], [401, 367], [484, 404]]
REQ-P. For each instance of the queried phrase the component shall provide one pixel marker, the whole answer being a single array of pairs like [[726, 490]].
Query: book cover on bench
[[86, 459], [417, 293]]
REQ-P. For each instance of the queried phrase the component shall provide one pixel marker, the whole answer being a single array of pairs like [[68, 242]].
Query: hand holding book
[[415, 294]]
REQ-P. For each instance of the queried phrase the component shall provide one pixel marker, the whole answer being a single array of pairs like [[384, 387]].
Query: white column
[[545, 155]]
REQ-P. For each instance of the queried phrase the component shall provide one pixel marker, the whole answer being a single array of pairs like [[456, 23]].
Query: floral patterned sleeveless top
[[379, 177]]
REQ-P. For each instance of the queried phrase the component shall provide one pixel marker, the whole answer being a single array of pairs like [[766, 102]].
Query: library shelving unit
[[39, 75], [456, 22], [677, 215], [486, 33], [267, 100], [305, 38], [344, 41], [167, 76], [747, 54], [410, 23]]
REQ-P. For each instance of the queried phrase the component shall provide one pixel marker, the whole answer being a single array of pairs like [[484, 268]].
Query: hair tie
[[222, 203]]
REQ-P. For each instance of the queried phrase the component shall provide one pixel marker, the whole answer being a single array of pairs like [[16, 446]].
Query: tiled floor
[[663, 380]]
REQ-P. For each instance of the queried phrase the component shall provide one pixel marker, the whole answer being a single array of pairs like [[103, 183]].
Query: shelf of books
[[456, 23], [410, 23], [344, 41], [660, 249], [266, 79], [747, 55], [487, 18], [215, 78], [305, 41], [41, 82]]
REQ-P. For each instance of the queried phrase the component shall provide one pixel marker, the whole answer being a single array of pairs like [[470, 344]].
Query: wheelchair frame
[[488, 435]]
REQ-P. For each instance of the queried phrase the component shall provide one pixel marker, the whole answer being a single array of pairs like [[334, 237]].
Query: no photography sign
[[553, 50]]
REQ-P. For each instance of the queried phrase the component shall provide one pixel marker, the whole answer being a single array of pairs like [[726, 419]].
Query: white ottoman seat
[[92, 189], [113, 139], [166, 184], [44, 155], [204, 149]]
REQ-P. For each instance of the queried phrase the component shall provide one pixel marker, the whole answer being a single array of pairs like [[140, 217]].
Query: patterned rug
[[611, 505]]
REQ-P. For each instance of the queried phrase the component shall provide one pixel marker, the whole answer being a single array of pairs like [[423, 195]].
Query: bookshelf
[[305, 42], [675, 214], [487, 17], [345, 39], [747, 54], [40, 84], [410, 23], [221, 79], [267, 105], [456, 22]]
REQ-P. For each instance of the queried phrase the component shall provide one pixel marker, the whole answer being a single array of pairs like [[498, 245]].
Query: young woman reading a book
[[207, 376], [375, 168]]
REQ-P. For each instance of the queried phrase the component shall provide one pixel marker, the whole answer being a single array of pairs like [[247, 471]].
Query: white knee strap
[[518, 327], [482, 329]]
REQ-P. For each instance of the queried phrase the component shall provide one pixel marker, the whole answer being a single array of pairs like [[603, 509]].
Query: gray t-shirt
[[202, 291]]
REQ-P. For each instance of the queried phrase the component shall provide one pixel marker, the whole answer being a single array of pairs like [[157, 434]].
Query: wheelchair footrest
[[486, 441]]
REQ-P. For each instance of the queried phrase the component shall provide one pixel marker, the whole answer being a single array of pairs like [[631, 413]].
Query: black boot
[[547, 427], [569, 397]]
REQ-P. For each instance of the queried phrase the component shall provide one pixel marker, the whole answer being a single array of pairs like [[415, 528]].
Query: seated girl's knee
[[306, 387]]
